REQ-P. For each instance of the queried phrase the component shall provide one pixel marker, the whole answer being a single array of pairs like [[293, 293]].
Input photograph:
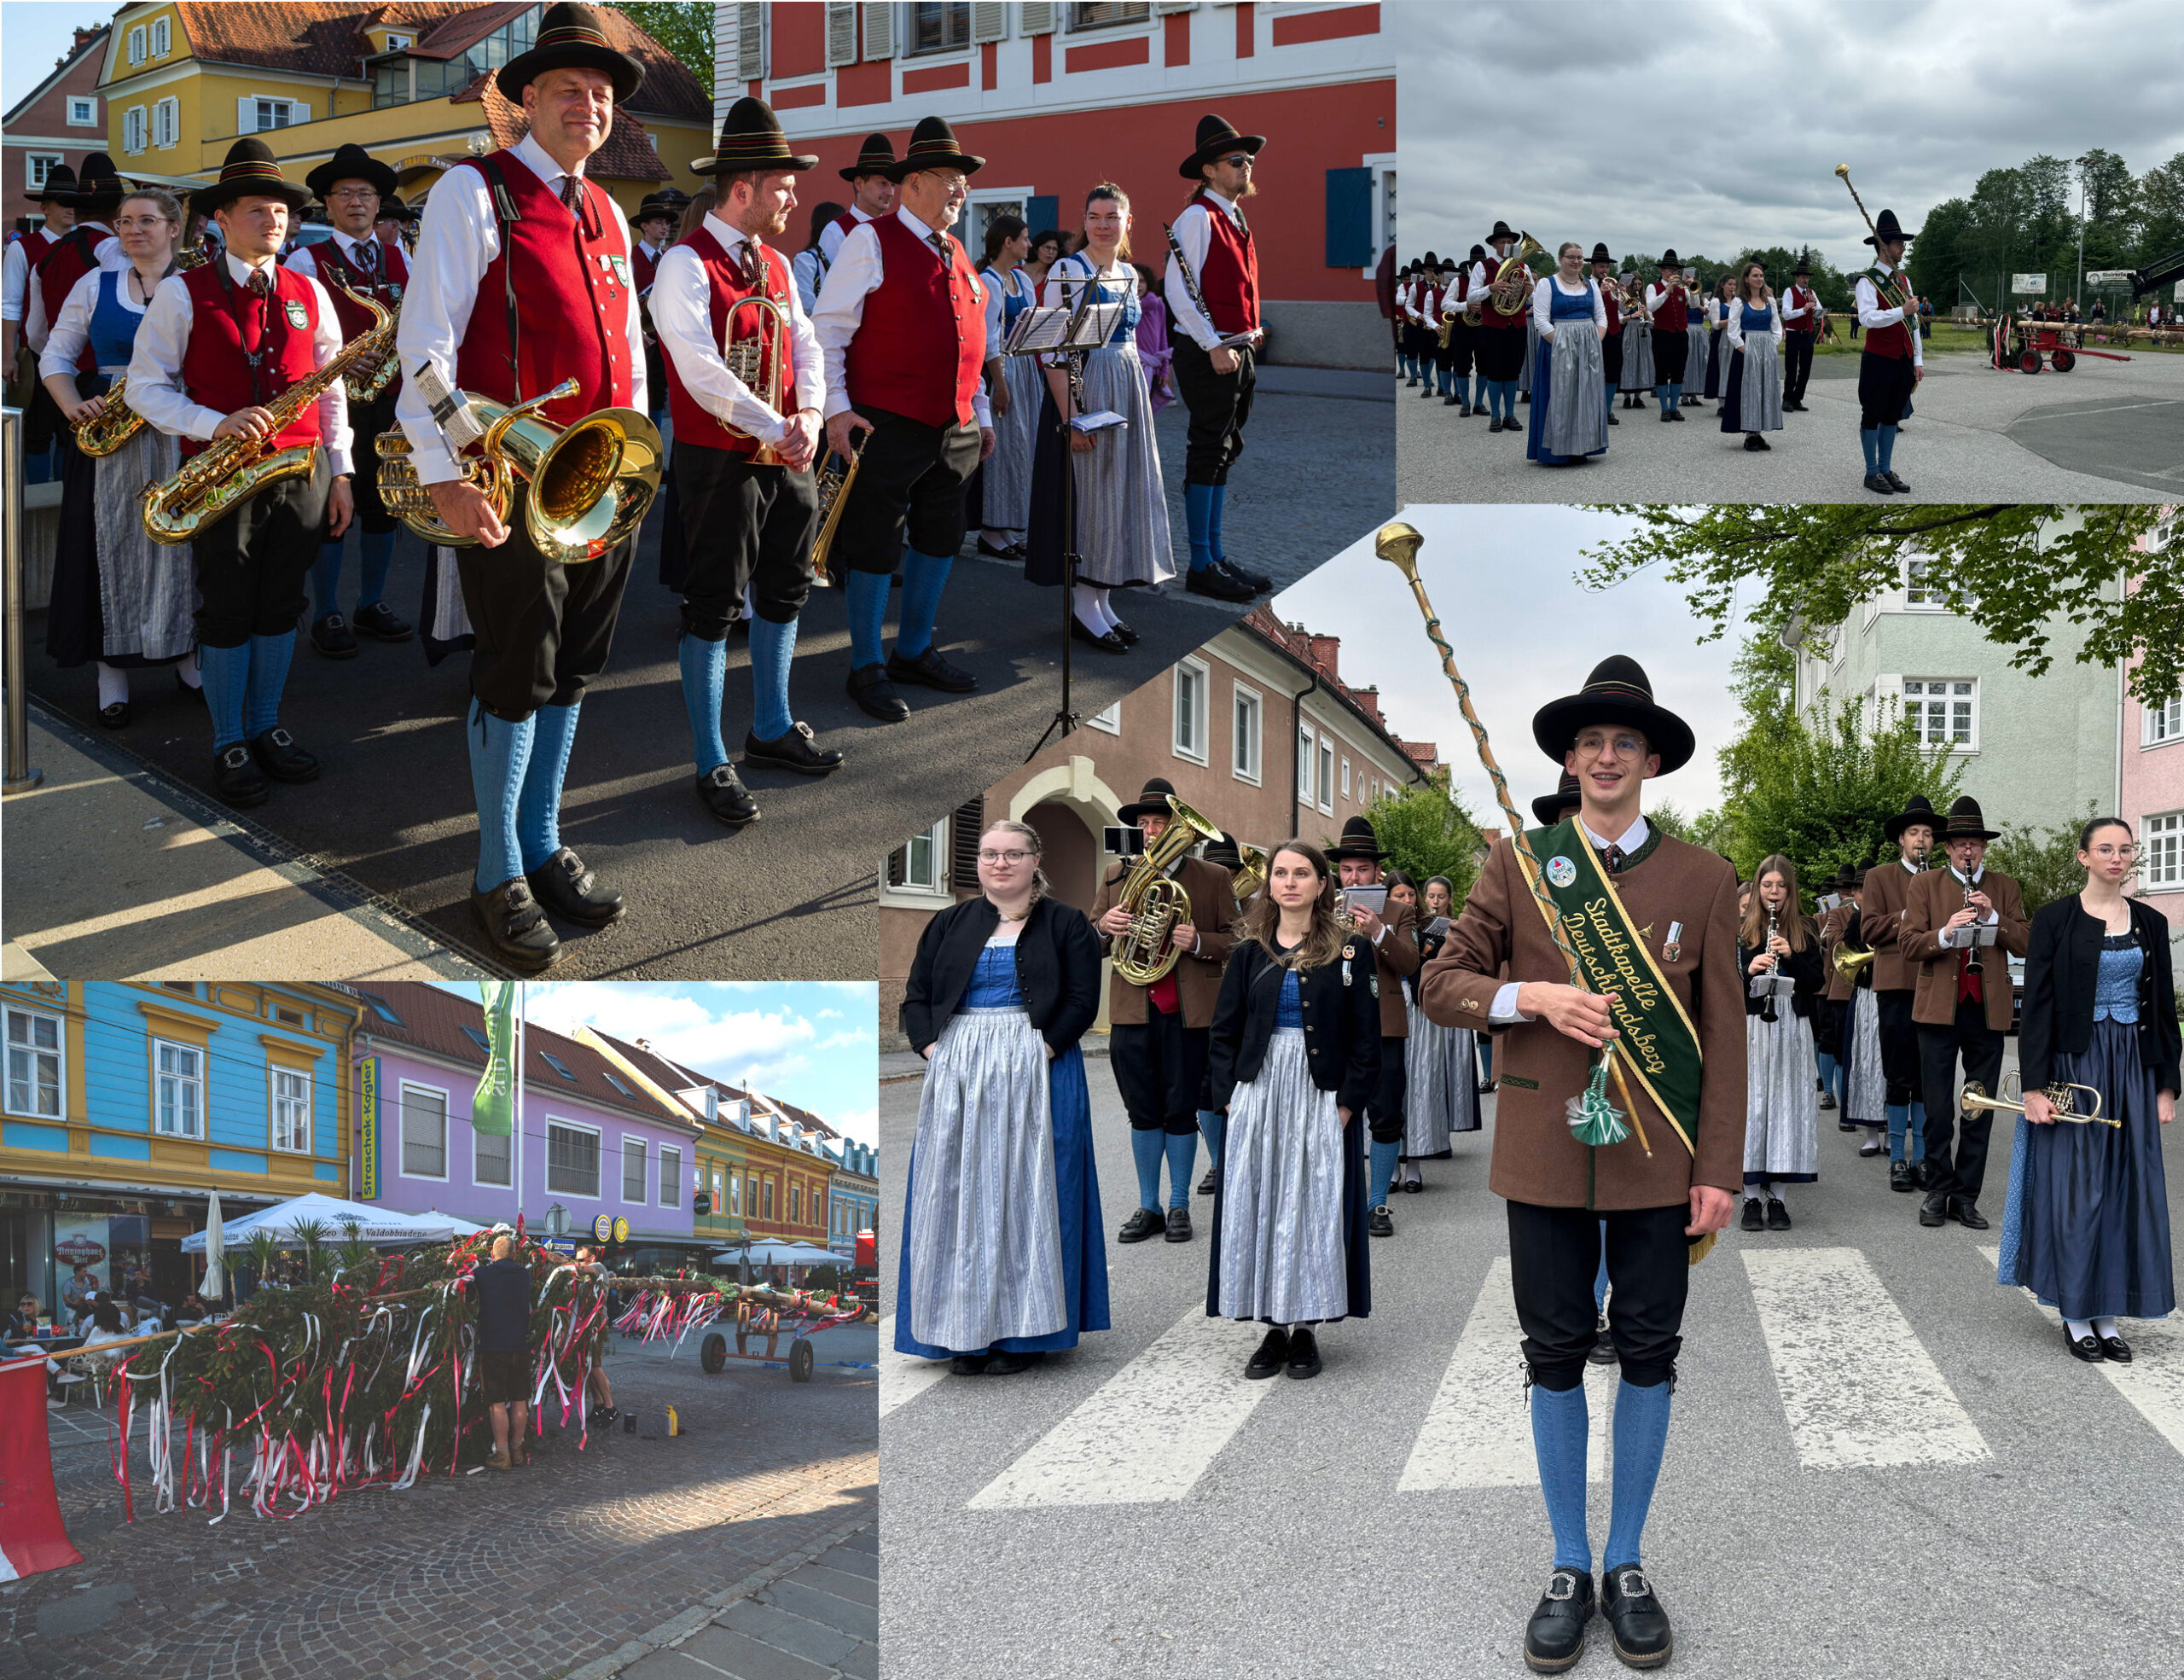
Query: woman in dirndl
[[2087, 1228], [1122, 531], [1781, 1116], [120, 600], [1751, 379], [1694, 334], [1637, 380], [1569, 422], [1718, 312], [1441, 1063], [1295, 1057], [1003, 1261], [1013, 387], [1865, 1085]]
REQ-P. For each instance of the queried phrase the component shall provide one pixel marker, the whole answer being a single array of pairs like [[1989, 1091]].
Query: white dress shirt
[[109, 254], [1732, 334], [1964, 935], [832, 235], [457, 241], [1504, 1011], [302, 262], [1795, 312], [1482, 276], [1195, 235], [1544, 305], [1001, 287], [681, 314], [15, 279], [71, 330], [856, 275], [155, 387], [1871, 315]]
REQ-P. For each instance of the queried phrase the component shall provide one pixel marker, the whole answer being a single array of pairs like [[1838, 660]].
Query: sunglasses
[[1240, 160]]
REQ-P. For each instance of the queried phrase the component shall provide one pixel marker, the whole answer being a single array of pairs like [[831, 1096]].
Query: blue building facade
[[853, 1192]]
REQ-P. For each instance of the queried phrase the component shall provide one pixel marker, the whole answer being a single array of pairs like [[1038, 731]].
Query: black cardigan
[[1342, 1023], [2062, 962], [1057, 965], [1807, 975]]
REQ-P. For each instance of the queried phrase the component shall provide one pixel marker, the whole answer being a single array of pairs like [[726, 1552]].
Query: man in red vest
[[1891, 363], [872, 195], [1801, 317], [655, 220], [56, 200], [902, 325], [521, 280], [219, 346], [1212, 292], [743, 476], [354, 184], [1668, 304]]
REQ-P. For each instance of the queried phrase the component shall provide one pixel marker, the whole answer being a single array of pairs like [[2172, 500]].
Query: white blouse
[[1544, 305]]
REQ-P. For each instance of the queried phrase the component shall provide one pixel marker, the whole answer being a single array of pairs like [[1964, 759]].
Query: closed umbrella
[[215, 1275]]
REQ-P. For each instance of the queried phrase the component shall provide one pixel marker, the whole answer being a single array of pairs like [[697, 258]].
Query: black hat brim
[[1894, 827], [787, 162], [519, 72], [1555, 725], [860, 168], [1903, 233], [1337, 853], [1138, 810], [1982, 833], [1548, 808], [383, 178], [1206, 154]]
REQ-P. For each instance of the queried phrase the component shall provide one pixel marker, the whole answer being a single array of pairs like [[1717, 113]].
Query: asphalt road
[[1883, 1466], [2104, 432], [790, 896]]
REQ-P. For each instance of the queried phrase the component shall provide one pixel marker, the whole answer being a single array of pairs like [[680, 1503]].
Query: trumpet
[[101, 434], [834, 482], [1975, 1099]]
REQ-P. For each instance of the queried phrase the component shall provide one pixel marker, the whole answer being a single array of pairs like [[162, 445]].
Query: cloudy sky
[[1500, 578], [1711, 125], [812, 1043]]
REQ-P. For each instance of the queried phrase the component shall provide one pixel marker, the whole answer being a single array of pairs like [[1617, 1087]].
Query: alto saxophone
[[101, 434], [367, 383]]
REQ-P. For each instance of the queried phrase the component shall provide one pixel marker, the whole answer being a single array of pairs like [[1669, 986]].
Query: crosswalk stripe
[[1148, 1433], [903, 1376], [1858, 1387], [1479, 1431], [2153, 1381]]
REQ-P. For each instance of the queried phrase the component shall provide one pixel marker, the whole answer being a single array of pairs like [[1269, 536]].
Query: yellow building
[[410, 83]]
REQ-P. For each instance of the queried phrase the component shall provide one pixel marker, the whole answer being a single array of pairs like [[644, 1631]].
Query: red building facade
[[59, 121]]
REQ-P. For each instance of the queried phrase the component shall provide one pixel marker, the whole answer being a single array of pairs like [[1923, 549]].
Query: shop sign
[[367, 1130], [79, 1251], [621, 1230], [602, 1228]]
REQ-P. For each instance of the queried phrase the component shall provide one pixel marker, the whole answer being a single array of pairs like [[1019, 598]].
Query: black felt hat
[[654, 206], [875, 157], [1600, 254], [933, 146], [1617, 692], [1804, 269], [1217, 135], [1151, 801], [1358, 841], [1887, 227], [351, 162], [60, 186], [1916, 809], [1549, 809], [1223, 851], [249, 171], [391, 206], [751, 137], [571, 36], [1966, 823], [1669, 259], [99, 187], [1502, 230]]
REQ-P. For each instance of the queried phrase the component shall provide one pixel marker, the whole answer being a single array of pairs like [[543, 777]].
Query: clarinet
[[1973, 964], [1183, 267], [1767, 1007]]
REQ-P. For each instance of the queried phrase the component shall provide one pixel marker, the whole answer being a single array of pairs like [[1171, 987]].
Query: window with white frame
[[178, 1090], [633, 1169], [1916, 593], [670, 1176], [290, 1110], [162, 37], [571, 1159], [424, 1133], [396, 43], [1244, 741], [133, 129], [37, 1076], [734, 1196], [1108, 13], [1307, 756], [274, 114], [2158, 726], [491, 1161], [2161, 851], [166, 123], [1345, 778], [921, 864], [1943, 711], [136, 44], [770, 1200], [1111, 720], [1327, 775], [38, 168], [942, 27], [83, 112], [796, 1204], [1190, 734], [984, 209]]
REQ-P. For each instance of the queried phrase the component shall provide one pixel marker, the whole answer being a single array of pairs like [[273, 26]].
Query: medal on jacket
[[1348, 952], [297, 315], [1672, 947]]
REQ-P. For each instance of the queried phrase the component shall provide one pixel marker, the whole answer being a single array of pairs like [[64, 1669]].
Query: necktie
[[572, 195], [1615, 860], [939, 246], [260, 283], [368, 259], [752, 266]]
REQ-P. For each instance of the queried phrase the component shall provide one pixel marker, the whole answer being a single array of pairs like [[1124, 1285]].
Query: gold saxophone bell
[[113, 425], [1156, 904], [1975, 1098]]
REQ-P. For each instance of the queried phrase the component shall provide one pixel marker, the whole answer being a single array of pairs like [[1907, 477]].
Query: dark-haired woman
[[2087, 1228], [1751, 373], [1441, 1067], [1295, 1057], [1003, 1261], [1047, 247], [808, 269], [1776, 940], [1014, 387]]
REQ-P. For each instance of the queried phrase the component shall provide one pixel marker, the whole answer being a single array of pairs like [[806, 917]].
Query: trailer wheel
[[800, 1361], [2029, 362], [713, 1354], [2064, 361]]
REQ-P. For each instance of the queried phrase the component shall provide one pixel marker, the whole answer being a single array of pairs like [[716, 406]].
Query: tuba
[[587, 484], [1156, 904], [1249, 882], [1506, 292], [112, 426], [836, 475]]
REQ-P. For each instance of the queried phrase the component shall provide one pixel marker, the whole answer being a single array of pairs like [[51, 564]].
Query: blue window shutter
[[1350, 217], [1042, 211]]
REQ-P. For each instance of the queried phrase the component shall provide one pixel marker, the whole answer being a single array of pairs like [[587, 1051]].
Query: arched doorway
[[1071, 859]]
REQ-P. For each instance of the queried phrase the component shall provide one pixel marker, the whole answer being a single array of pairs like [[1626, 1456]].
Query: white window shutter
[[880, 32], [841, 33], [1036, 19], [247, 114], [298, 112], [988, 20], [1161, 7], [750, 43]]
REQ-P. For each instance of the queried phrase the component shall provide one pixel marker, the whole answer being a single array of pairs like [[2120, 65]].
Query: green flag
[[493, 1109]]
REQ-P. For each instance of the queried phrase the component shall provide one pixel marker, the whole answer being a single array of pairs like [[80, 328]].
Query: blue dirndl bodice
[[2116, 986], [1013, 301], [1757, 320], [113, 325], [993, 982], [1569, 306], [1122, 289], [1290, 1010]]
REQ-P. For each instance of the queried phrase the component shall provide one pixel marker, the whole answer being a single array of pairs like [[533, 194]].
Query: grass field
[[1951, 339]]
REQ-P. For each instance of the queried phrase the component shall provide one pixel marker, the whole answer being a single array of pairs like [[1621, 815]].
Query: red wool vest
[[335, 271], [1669, 314], [1892, 341], [1803, 298], [696, 423], [1487, 315], [644, 266], [1614, 314], [36, 243], [1229, 278], [71, 256], [847, 223], [898, 361], [573, 309], [228, 324]]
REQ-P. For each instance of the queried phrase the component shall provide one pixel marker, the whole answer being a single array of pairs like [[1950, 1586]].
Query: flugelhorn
[[760, 358], [836, 475], [1975, 1098], [1250, 881], [1850, 964]]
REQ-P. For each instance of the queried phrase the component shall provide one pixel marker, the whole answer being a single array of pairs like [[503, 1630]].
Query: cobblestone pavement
[[820, 1621], [546, 1571]]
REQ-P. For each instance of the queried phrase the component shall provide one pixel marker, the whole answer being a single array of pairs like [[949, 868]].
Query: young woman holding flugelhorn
[[1781, 1138]]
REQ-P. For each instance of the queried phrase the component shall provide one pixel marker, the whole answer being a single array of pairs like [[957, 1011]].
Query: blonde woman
[[1751, 375], [1777, 941], [1570, 319]]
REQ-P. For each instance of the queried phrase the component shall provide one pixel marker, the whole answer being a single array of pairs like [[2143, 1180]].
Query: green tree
[[2016, 570], [2044, 862], [1943, 260], [685, 29], [2160, 199], [1429, 833]]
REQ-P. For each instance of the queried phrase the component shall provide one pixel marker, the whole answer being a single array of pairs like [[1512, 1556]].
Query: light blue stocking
[[1558, 1428], [269, 675], [868, 613], [226, 674], [500, 751], [705, 679], [538, 808], [923, 577]]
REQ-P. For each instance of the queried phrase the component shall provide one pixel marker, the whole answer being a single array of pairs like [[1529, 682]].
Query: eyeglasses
[[1002, 857], [355, 194], [1623, 746], [1240, 160]]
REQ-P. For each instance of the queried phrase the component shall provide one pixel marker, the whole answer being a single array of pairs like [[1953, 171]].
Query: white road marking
[[1146, 1434], [1858, 1387], [2154, 1380], [1479, 1431], [2080, 414], [903, 1376]]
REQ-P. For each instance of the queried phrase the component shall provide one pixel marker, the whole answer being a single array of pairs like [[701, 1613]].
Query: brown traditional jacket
[[1831, 935], [1936, 895], [1881, 904], [1397, 955], [1197, 972], [1536, 1159]]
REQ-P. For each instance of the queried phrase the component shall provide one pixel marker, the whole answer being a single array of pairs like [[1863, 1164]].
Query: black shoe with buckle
[[1637, 1625], [869, 688], [799, 750], [1211, 1182], [1211, 580], [1379, 1222], [2087, 1348], [237, 779], [2115, 1348], [1259, 582], [969, 1365], [1179, 1225], [333, 638], [1304, 1354], [380, 621], [1827, 1102], [1273, 1354], [1879, 486], [1105, 640], [930, 670], [115, 717], [1129, 637], [1007, 551], [1143, 1222], [1966, 1211], [516, 929], [280, 758], [722, 793], [572, 891], [1554, 1638], [1899, 1176]]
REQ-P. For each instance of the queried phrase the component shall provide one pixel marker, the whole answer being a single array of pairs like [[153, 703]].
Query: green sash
[[1659, 1045]]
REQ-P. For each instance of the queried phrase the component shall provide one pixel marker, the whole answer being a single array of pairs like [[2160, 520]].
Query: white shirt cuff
[[1504, 1010]]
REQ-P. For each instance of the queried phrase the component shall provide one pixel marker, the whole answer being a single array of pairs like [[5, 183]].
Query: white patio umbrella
[[215, 1275], [382, 1225]]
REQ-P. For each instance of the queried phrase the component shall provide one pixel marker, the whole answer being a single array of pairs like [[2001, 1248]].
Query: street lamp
[[2078, 296]]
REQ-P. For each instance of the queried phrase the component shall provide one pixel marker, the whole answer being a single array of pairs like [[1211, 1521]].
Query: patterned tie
[[753, 266], [1615, 860], [261, 282], [368, 259], [572, 195], [940, 247]]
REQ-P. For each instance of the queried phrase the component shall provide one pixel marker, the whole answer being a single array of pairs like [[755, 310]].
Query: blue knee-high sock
[[1181, 1150], [1676, 395], [500, 752], [1410, 366], [538, 808], [1917, 1147], [923, 577], [226, 674], [1827, 1072], [1899, 1117], [1146, 1147], [377, 549], [1509, 398], [867, 602], [1559, 1427], [1887, 446], [1869, 441], [772, 647], [1599, 1277], [1486, 1055], [1641, 1436], [705, 679], [1384, 1156], [326, 579], [1197, 521], [1213, 1126], [269, 675], [1213, 523]]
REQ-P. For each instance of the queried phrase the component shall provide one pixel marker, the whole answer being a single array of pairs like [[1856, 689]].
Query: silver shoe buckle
[[1568, 1584], [1623, 1578]]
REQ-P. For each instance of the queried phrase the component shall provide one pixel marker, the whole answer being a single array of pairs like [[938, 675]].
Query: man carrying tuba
[[1503, 306], [219, 343], [1160, 1031], [743, 452], [522, 280]]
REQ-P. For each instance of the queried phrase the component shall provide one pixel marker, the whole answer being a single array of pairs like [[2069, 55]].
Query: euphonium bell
[[1849, 963]]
